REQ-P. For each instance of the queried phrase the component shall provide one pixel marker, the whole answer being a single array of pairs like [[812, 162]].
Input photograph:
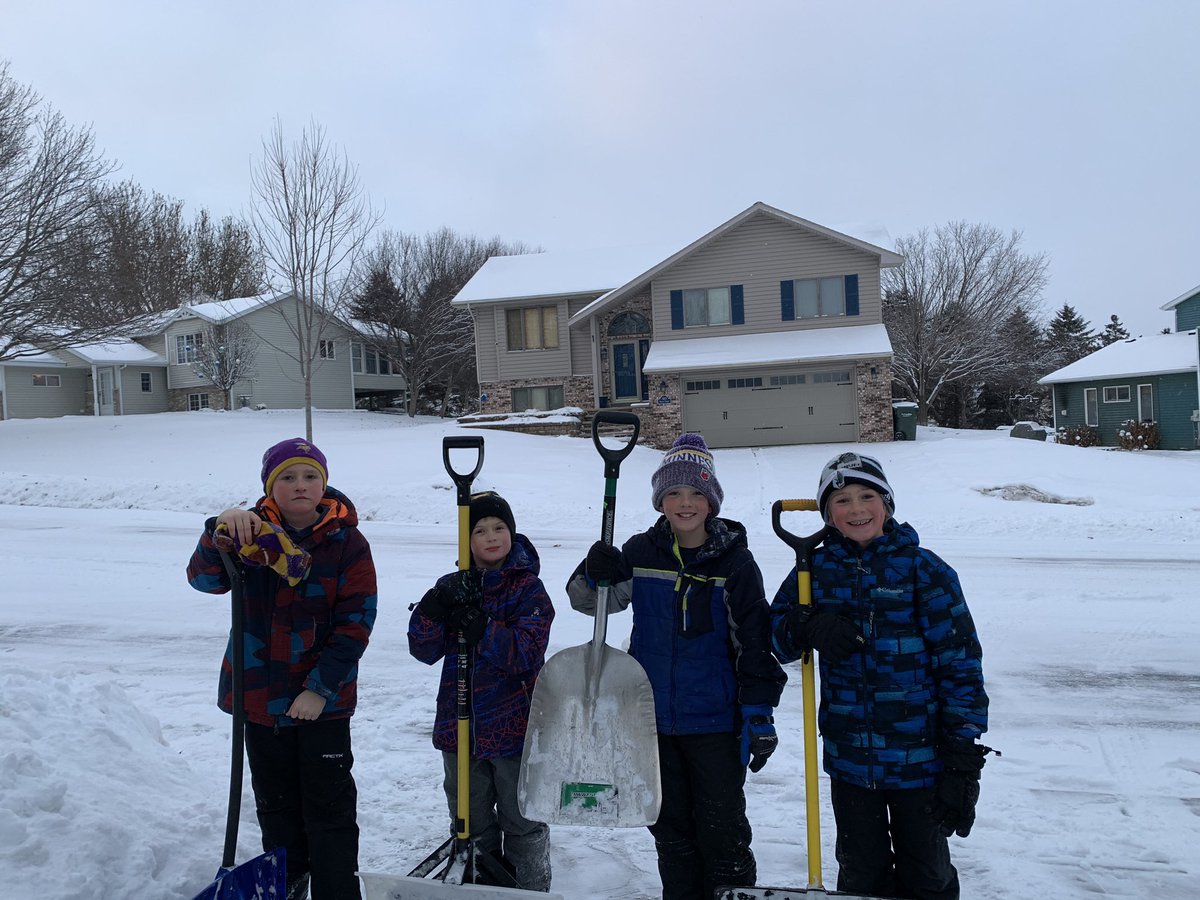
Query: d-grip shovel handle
[[462, 480], [803, 546]]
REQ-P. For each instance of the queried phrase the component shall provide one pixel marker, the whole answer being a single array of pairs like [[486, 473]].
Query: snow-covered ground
[[114, 757]]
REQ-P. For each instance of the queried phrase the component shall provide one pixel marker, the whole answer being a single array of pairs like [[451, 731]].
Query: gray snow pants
[[497, 823]]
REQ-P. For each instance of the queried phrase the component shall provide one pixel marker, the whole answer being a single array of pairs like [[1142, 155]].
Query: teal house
[[1155, 378]]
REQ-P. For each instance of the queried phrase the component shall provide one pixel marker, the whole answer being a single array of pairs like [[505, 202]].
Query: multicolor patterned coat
[[308, 636], [701, 630], [504, 664], [917, 685]]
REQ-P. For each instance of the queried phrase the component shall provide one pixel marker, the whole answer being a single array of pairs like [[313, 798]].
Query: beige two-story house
[[766, 330]]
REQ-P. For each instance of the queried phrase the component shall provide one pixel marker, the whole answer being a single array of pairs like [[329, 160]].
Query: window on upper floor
[[187, 347], [326, 350], [532, 328], [705, 306], [816, 298], [366, 360]]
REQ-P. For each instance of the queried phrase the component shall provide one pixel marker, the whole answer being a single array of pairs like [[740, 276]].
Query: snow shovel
[[804, 547], [462, 862], [265, 875], [591, 749]]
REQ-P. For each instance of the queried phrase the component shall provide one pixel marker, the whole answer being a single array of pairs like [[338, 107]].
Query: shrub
[[1138, 435], [1079, 436]]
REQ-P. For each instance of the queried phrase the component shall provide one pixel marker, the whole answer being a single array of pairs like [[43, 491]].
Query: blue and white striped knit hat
[[853, 468], [690, 464]]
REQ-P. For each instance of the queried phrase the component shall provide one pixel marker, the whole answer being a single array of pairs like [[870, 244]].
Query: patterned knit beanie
[[291, 452], [853, 468], [489, 503], [690, 464]]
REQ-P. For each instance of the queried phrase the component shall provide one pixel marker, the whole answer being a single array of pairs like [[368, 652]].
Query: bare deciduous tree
[[946, 304], [48, 175], [311, 220], [226, 355], [405, 301]]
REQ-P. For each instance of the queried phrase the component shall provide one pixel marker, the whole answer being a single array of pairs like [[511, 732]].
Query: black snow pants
[[889, 846], [307, 801], [702, 834]]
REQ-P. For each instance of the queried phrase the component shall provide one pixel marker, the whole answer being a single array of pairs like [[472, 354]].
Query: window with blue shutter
[[787, 301], [676, 310], [852, 295], [737, 305]]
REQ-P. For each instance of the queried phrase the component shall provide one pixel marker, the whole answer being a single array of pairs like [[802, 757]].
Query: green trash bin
[[904, 420]]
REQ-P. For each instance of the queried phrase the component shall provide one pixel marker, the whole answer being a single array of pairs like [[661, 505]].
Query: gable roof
[[1186, 295], [215, 312], [1155, 354], [620, 270]]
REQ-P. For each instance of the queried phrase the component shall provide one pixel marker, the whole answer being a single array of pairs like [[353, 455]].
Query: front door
[[626, 372], [104, 391]]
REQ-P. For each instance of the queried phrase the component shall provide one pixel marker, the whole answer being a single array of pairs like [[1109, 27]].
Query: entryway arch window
[[628, 323]]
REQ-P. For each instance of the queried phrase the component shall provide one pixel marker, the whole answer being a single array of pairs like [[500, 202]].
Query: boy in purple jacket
[[502, 609]]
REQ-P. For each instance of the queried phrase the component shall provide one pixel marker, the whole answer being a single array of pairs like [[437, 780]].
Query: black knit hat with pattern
[[853, 468]]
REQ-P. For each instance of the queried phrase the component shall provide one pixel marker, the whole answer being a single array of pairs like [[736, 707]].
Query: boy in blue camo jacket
[[902, 697]]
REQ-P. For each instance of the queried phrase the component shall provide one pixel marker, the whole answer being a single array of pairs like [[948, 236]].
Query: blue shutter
[[737, 306], [787, 301], [676, 310], [852, 295]]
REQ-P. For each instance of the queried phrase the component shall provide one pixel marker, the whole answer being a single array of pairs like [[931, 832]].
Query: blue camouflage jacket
[[701, 630], [917, 684]]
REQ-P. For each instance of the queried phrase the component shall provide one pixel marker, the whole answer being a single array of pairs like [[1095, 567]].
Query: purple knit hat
[[690, 464], [291, 452]]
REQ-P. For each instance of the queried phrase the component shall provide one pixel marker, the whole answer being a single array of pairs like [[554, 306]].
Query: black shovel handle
[[237, 645], [803, 546], [462, 480], [612, 463]]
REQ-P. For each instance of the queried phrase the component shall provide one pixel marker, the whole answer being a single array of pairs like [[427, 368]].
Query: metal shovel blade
[[591, 749], [400, 887]]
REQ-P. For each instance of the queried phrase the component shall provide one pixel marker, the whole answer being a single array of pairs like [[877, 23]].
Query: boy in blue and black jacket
[[701, 630], [902, 697]]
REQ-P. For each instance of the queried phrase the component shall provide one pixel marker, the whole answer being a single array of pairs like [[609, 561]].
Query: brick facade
[[873, 381]]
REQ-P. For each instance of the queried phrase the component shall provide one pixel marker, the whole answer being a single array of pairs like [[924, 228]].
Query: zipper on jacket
[[868, 706]]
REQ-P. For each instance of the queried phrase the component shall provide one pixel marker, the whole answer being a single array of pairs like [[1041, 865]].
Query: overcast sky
[[587, 124]]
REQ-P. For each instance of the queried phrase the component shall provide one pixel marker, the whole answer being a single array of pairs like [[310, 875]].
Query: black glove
[[603, 563], [957, 789], [831, 635], [469, 621], [461, 588], [758, 736]]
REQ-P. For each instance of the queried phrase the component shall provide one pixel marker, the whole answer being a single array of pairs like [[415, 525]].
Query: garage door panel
[[770, 414]]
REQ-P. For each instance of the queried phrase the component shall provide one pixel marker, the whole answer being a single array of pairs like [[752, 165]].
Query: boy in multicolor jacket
[[701, 630], [502, 610], [309, 597], [902, 697]]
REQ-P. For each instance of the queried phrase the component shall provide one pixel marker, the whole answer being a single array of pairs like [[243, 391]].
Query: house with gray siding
[[1153, 378], [766, 330], [153, 371]]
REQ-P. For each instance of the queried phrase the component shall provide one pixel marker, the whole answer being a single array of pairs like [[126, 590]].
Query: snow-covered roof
[[31, 356], [1171, 304], [117, 352], [612, 270], [776, 348], [1155, 354], [560, 272], [219, 311]]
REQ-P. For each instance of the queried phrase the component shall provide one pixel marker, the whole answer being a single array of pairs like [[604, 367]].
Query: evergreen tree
[[1069, 337], [1114, 331]]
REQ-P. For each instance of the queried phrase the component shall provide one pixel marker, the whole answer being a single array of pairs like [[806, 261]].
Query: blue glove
[[758, 736]]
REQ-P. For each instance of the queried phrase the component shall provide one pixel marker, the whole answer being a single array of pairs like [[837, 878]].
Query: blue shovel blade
[[262, 878]]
